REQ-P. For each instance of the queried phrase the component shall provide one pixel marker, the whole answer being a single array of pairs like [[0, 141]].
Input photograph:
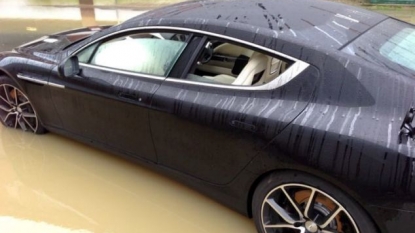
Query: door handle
[[243, 125], [130, 97]]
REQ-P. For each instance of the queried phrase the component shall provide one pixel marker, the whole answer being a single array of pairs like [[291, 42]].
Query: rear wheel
[[291, 202], [16, 110]]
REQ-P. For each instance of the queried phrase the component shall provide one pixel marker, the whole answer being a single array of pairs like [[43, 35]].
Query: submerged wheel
[[292, 202], [16, 111]]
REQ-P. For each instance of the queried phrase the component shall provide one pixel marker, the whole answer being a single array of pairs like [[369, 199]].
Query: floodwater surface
[[50, 184]]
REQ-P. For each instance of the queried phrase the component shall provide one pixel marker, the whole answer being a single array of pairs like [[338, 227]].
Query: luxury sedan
[[295, 113]]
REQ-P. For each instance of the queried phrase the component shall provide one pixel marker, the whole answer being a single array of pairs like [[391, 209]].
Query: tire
[[16, 110], [288, 202]]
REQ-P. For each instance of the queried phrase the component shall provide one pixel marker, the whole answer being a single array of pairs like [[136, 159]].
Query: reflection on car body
[[286, 111]]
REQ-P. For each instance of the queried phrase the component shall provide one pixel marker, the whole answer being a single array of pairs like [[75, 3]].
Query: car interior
[[218, 63], [229, 64]]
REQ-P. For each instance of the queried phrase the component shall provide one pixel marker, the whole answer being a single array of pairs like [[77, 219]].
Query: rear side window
[[225, 63], [390, 44]]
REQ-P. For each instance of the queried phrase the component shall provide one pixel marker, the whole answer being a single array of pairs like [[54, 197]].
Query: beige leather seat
[[274, 67], [256, 64], [222, 78]]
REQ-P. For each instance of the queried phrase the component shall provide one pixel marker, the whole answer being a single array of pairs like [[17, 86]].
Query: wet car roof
[[313, 21]]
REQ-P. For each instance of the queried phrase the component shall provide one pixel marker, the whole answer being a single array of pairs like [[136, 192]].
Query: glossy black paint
[[107, 108], [338, 120], [222, 128]]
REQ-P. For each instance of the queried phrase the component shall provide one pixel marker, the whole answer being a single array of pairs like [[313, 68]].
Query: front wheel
[[293, 202], [16, 110]]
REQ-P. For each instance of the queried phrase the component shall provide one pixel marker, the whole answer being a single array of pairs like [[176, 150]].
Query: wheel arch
[[3, 72], [306, 171], [336, 183]]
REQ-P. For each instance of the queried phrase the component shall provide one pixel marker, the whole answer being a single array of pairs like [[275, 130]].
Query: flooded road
[[51, 184]]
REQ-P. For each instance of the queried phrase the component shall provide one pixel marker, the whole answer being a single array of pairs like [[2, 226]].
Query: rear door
[[210, 128]]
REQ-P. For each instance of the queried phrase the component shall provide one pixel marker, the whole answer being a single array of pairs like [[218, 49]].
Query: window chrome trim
[[250, 44], [294, 70], [130, 73]]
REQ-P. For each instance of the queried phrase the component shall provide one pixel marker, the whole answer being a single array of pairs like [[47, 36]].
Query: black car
[[296, 113]]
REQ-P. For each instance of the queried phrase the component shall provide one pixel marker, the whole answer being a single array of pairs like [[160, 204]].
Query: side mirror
[[70, 68]]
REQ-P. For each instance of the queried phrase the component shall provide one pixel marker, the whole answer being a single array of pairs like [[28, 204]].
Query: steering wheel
[[207, 53], [179, 37]]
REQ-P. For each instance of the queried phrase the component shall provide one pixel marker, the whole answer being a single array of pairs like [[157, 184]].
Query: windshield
[[390, 44], [76, 38]]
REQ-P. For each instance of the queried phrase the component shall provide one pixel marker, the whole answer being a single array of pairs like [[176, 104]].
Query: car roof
[[315, 22]]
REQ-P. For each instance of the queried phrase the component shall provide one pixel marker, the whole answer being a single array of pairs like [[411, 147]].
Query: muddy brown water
[[51, 184]]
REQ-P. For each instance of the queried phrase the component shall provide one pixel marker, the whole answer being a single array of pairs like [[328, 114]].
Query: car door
[[212, 130], [108, 102]]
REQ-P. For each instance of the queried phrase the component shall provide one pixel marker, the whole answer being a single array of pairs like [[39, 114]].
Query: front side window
[[148, 53]]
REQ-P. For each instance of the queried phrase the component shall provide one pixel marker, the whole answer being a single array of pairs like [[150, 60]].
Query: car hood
[[48, 46]]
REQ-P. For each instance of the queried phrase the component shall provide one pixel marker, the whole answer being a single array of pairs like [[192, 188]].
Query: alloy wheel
[[16, 111], [292, 208]]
